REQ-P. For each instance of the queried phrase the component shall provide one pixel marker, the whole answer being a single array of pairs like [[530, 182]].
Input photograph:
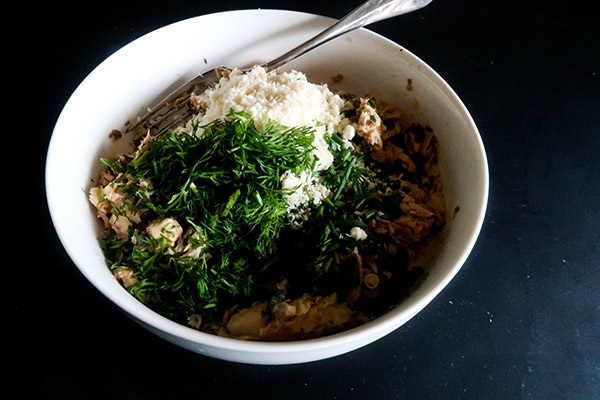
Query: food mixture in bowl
[[281, 211]]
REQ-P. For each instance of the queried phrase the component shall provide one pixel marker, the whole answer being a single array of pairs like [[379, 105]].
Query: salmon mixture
[[281, 211]]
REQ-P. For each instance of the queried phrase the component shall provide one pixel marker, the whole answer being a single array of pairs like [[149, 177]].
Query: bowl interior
[[130, 80]]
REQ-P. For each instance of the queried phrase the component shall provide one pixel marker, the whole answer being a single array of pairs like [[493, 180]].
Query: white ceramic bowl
[[130, 79]]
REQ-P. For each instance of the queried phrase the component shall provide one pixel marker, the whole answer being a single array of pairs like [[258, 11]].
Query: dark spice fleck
[[115, 134]]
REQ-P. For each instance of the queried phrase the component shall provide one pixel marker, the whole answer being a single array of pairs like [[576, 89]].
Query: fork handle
[[365, 14]]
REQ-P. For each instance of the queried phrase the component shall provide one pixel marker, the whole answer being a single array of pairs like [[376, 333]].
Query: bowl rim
[[379, 326]]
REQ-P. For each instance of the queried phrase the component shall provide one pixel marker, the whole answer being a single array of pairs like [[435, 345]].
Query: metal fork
[[176, 108]]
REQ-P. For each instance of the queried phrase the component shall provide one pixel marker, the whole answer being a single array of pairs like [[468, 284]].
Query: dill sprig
[[331, 220], [313, 253], [226, 185]]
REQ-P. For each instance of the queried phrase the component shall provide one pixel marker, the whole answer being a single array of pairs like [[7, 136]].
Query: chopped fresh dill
[[226, 186]]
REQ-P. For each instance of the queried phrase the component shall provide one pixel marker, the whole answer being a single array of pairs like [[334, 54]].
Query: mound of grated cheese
[[291, 100]]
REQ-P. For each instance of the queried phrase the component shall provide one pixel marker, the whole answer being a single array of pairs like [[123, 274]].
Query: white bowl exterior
[[129, 80]]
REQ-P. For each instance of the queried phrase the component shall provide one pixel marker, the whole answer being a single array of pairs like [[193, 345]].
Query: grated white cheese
[[348, 132], [358, 233], [291, 100], [286, 97], [303, 189]]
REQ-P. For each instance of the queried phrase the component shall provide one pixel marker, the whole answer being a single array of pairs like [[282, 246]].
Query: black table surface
[[521, 320]]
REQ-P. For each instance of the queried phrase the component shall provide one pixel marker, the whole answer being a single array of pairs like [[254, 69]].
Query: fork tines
[[177, 108]]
